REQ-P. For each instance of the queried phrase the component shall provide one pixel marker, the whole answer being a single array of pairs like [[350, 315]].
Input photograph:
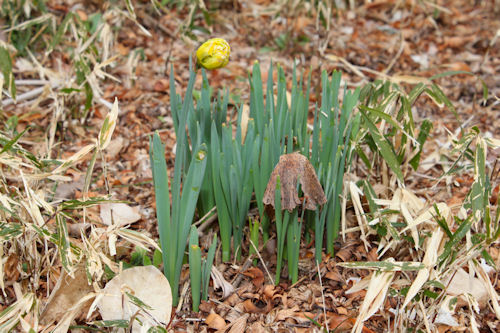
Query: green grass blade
[[195, 274], [207, 268], [165, 227], [384, 148]]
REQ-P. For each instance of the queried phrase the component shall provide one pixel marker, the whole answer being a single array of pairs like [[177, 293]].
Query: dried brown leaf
[[269, 291], [256, 327], [256, 307], [215, 321], [67, 293], [334, 276], [290, 168], [256, 275]]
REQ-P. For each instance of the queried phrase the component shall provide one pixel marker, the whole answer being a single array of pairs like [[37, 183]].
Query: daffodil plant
[[239, 162]]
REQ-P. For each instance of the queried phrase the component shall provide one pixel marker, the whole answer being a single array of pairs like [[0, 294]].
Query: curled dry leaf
[[215, 321], [290, 168], [221, 283], [339, 322], [269, 291], [256, 306], [256, 275]]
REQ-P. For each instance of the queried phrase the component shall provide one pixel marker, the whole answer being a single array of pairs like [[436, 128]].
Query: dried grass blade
[[374, 298]]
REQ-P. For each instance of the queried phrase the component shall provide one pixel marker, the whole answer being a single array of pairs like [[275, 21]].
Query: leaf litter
[[372, 35]]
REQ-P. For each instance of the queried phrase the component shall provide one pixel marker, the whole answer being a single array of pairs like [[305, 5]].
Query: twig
[[237, 280], [298, 281], [398, 54], [157, 24], [206, 220], [27, 95], [31, 82], [183, 295], [424, 316], [322, 296], [194, 319], [262, 261]]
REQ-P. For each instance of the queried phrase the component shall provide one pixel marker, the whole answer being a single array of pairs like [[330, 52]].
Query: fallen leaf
[[221, 283], [239, 325], [215, 321], [269, 291], [256, 327], [286, 313], [290, 168], [339, 321], [462, 283], [10, 268], [256, 275], [66, 294], [122, 213], [334, 276], [256, 307], [145, 283]]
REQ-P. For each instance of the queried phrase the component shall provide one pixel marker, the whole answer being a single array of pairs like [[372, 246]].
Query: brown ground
[[376, 40]]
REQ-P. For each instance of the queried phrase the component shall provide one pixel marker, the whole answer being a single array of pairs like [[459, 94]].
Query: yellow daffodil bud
[[213, 54]]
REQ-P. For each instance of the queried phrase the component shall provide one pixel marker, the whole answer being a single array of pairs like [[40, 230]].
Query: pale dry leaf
[[358, 285], [430, 259], [429, 215], [221, 283], [119, 214], [240, 324], [489, 288], [147, 284], [374, 298], [73, 159], [108, 127], [140, 239], [409, 220], [17, 310], [445, 312], [292, 168], [359, 212], [67, 292], [70, 314], [462, 284], [245, 116], [474, 308]]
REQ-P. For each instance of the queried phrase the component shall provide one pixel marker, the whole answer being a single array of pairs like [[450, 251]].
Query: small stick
[[322, 296], [30, 94], [236, 282], [262, 261]]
